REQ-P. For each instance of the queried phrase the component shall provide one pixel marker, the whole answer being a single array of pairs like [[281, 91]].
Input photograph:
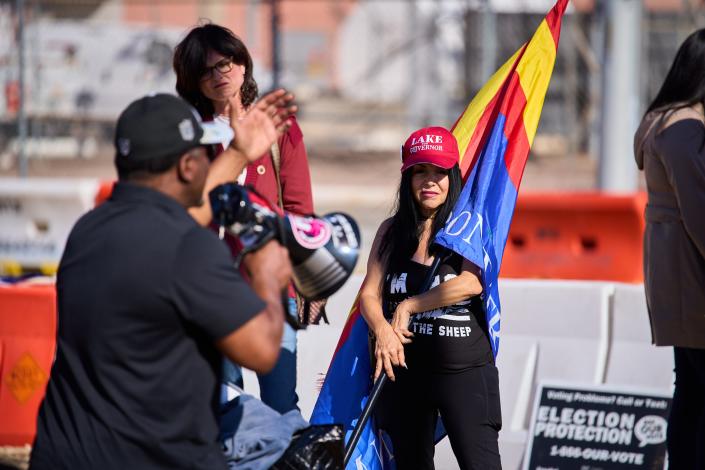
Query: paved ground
[[361, 184]]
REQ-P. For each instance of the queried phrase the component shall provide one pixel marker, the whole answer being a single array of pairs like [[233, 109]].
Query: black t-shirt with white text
[[448, 339], [143, 293]]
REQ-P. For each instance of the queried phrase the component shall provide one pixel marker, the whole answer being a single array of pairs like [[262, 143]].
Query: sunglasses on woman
[[222, 66]]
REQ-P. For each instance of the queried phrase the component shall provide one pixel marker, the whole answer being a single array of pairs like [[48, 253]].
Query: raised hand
[[262, 125]]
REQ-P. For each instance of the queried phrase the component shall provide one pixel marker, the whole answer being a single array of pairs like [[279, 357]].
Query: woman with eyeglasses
[[214, 73]]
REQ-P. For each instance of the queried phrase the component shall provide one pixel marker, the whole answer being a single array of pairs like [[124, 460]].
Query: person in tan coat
[[669, 147]]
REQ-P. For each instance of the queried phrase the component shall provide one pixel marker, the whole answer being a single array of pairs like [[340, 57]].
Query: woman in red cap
[[214, 72], [447, 367]]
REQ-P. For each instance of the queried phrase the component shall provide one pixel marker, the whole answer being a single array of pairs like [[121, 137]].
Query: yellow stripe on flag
[[467, 123], [540, 55]]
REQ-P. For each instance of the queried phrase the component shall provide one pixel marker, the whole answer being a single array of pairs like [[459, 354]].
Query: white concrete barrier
[[36, 215], [550, 330], [632, 357]]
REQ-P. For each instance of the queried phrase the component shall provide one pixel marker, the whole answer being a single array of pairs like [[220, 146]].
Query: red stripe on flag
[[517, 147], [354, 314], [517, 151], [554, 18], [479, 136], [482, 130]]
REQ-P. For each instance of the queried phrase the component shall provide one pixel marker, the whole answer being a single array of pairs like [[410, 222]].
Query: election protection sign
[[596, 428]]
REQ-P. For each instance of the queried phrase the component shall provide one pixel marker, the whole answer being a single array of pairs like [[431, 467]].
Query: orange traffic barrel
[[27, 346], [590, 236], [104, 191]]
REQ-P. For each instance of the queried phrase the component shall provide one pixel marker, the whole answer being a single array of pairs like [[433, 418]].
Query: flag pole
[[382, 379]]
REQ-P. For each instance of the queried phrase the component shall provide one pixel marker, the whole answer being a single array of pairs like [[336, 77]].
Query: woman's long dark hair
[[685, 83], [190, 64], [401, 239]]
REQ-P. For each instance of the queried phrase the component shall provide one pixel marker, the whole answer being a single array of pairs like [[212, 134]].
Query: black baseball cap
[[161, 125]]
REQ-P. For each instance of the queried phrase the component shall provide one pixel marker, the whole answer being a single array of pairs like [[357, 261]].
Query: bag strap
[[301, 303], [276, 163]]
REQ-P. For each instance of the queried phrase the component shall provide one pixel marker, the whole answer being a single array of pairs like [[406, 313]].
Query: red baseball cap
[[434, 145]]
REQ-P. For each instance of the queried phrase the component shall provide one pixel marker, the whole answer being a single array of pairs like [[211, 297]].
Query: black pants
[[686, 424], [468, 403]]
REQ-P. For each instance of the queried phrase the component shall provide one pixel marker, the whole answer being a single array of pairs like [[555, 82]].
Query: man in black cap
[[148, 300]]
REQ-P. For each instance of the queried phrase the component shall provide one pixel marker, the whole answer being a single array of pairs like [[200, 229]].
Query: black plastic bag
[[318, 447]]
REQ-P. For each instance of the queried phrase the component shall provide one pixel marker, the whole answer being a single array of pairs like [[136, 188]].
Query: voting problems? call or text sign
[[596, 428]]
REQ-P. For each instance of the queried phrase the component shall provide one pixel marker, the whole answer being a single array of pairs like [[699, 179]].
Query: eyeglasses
[[222, 66]]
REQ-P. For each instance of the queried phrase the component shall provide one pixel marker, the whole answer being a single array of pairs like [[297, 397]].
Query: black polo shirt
[[143, 293]]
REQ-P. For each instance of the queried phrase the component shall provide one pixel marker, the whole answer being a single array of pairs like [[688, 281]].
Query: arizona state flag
[[494, 135]]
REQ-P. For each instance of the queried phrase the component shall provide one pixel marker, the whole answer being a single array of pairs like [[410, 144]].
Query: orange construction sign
[[27, 346], [25, 377]]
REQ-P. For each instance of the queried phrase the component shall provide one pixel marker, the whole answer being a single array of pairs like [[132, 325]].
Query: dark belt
[[662, 214]]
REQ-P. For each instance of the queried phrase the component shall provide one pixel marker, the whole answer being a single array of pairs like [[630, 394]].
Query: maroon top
[[293, 172], [294, 176]]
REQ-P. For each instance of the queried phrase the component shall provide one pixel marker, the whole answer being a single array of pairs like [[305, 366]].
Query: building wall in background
[[372, 55], [309, 31]]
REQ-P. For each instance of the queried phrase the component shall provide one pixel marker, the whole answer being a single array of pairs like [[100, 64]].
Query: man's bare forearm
[[267, 289]]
